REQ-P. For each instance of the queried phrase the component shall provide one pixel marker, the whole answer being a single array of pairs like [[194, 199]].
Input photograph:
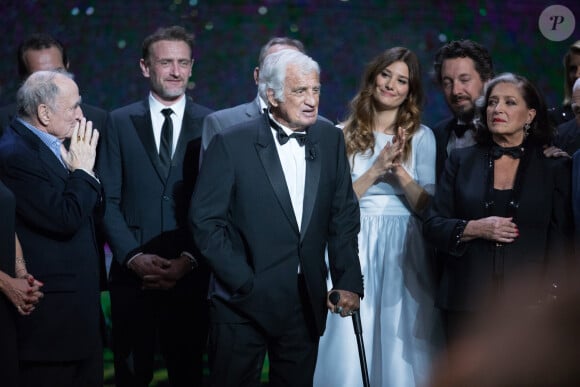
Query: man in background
[[43, 52], [221, 119], [461, 69]]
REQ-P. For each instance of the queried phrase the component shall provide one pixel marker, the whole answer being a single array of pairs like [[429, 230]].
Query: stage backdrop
[[104, 42]]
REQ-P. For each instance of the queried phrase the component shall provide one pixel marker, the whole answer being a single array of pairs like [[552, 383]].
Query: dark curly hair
[[541, 131], [464, 48], [358, 130]]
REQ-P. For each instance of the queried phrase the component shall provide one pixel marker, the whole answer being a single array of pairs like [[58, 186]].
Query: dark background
[[104, 42]]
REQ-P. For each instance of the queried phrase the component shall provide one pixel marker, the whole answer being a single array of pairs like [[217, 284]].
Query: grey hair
[[273, 71], [279, 40], [39, 88]]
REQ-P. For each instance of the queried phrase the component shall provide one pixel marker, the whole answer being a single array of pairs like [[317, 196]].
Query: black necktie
[[283, 138], [514, 152], [166, 145]]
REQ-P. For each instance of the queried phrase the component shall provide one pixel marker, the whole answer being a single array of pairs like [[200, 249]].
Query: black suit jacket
[[146, 209], [55, 224], [568, 136], [244, 224], [442, 132], [544, 220]]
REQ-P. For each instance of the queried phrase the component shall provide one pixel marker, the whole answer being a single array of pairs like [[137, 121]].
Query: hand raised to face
[[82, 151]]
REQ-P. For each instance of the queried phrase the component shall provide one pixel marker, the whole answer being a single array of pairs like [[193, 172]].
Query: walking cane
[[334, 297]]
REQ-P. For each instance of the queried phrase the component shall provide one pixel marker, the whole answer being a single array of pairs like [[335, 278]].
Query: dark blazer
[[568, 136], [543, 219], [55, 224], [222, 119], [576, 198], [244, 224], [146, 209], [442, 132], [97, 115]]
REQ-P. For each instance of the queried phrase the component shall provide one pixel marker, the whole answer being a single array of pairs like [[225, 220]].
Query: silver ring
[[349, 313], [338, 309]]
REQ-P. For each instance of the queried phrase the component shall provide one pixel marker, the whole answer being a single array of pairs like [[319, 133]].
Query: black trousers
[[171, 322], [81, 373], [237, 351]]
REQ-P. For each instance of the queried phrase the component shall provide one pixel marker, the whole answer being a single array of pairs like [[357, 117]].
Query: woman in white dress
[[393, 171]]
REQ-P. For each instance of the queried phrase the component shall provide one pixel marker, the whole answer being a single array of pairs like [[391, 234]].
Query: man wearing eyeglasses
[[158, 283]]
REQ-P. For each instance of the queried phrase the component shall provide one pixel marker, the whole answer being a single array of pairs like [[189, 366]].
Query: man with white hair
[[57, 197], [272, 193]]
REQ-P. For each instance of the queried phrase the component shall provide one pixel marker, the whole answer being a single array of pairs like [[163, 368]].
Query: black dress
[[8, 343]]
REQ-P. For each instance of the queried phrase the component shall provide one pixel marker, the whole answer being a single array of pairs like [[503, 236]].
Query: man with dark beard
[[461, 68]]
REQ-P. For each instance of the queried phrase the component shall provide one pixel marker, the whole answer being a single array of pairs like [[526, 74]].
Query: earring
[[526, 129]]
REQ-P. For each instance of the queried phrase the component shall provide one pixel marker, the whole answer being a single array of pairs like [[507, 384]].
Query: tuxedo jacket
[[442, 132], [145, 205], [568, 136], [97, 115], [244, 224], [55, 213], [543, 219], [222, 119]]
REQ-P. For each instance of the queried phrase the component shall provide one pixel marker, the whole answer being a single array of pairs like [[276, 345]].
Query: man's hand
[[168, 278], [553, 151], [82, 151], [149, 264], [347, 303]]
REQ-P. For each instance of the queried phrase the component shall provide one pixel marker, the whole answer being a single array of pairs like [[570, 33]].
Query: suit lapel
[[190, 129], [268, 156], [253, 108], [44, 153], [144, 129]]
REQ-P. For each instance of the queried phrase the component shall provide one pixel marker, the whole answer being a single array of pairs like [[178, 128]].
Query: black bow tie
[[283, 138], [460, 129], [514, 152]]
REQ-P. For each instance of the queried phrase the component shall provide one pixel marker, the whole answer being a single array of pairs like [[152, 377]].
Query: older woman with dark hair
[[501, 206], [392, 158]]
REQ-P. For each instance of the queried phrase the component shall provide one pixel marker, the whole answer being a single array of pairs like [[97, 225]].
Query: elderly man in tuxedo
[[57, 200], [272, 194], [221, 119]]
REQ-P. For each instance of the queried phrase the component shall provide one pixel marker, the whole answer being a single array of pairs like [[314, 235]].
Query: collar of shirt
[[293, 160], [262, 104], [157, 118], [48, 139], [468, 139]]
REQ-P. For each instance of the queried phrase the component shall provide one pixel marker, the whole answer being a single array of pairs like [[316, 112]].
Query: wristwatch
[[191, 259]]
